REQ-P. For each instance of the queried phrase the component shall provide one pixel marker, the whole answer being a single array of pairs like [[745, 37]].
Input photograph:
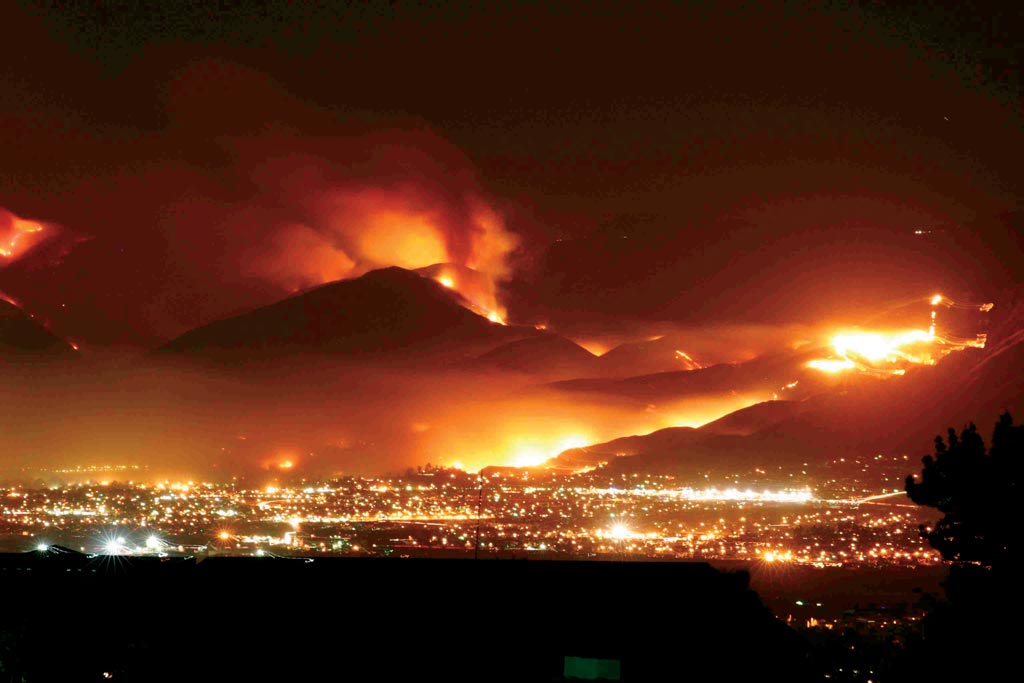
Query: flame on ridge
[[874, 351], [17, 235]]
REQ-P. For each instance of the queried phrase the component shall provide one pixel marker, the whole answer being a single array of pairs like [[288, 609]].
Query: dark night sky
[[662, 163]]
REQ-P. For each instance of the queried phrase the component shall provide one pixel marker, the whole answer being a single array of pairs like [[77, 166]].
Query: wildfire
[[529, 457], [882, 347], [871, 351], [396, 216], [688, 360], [478, 289], [831, 365], [16, 235], [532, 454], [868, 350], [595, 347]]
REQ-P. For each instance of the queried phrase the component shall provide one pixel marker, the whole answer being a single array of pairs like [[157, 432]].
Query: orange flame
[[17, 235], [869, 350], [872, 351], [688, 360], [478, 289]]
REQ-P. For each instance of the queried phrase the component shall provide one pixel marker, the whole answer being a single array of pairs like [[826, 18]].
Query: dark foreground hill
[[74, 617], [20, 335]]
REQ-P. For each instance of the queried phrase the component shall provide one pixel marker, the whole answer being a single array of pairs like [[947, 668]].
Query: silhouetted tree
[[975, 633], [978, 493]]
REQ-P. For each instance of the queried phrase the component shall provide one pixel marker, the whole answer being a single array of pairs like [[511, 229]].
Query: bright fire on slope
[[17, 235], [532, 454], [479, 293], [688, 361], [891, 352]]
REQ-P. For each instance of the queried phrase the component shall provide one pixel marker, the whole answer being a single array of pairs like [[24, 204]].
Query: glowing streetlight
[[114, 546]]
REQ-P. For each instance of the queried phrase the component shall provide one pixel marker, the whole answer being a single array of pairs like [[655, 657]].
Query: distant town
[[859, 516]]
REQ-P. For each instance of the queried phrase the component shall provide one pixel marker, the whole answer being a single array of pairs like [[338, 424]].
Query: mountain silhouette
[[545, 354], [767, 374], [663, 354], [860, 416], [21, 335], [384, 311]]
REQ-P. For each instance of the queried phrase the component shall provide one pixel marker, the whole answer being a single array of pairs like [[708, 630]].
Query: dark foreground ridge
[[21, 336], [77, 617]]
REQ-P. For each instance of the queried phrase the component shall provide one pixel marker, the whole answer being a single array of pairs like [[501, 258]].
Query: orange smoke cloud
[[297, 257], [405, 209], [250, 211]]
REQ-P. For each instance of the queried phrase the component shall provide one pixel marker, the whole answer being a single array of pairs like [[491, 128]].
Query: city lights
[[115, 546], [854, 517]]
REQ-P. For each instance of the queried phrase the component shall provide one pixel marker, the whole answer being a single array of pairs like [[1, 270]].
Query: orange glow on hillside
[[532, 442], [877, 350], [891, 351], [596, 347], [831, 365], [402, 239], [534, 451], [477, 289], [687, 360], [385, 227], [349, 230], [17, 235], [699, 412], [9, 299], [882, 347]]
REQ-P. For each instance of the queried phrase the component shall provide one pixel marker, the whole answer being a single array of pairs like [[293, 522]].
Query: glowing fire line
[[867, 350], [448, 281], [19, 228]]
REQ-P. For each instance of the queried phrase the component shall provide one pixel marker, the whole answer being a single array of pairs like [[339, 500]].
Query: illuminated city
[[448, 511]]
